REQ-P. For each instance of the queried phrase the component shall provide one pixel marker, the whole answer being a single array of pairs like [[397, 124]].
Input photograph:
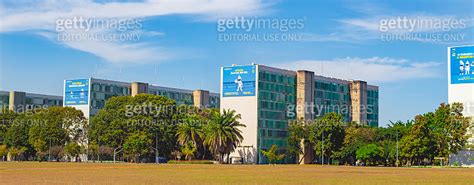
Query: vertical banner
[[76, 92], [238, 81], [461, 61]]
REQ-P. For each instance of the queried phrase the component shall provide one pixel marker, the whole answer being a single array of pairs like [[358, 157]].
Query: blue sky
[[179, 45]]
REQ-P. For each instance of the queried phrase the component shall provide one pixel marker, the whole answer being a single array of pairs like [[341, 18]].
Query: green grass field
[[102, 173]]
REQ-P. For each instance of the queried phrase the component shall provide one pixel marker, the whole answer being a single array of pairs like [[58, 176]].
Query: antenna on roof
[[322, 68], [154, 76], [96, 70], [120, 73]]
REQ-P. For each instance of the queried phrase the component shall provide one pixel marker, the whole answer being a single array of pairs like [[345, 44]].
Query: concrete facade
[[304, 108], [268, 113], [21, 101], [358, 90], [201, 98], [101, 90], [462, 93], [138, 88]]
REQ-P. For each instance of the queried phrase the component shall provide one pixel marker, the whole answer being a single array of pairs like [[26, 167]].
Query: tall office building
[[89, 95], [269, 98], [461, 80], [22, 101]]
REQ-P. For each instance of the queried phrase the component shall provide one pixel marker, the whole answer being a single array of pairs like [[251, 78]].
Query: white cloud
[[40, 17], [373, 70], [373, 19]]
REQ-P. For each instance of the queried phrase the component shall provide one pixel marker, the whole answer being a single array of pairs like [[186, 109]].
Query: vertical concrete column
[[358, 92], [304, 108], [138, 88], [16, 99], [201, 98]]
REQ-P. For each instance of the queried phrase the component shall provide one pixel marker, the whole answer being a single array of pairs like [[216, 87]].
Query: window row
[[278, 78], [276, 87]]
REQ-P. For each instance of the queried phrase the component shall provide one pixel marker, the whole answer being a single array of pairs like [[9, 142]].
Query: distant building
[[461, 89], [461, 79], [268, 98], [89, 95], [20, 101]]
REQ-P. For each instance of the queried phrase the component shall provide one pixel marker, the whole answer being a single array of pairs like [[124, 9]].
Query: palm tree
[[190, 130], [223, 134]]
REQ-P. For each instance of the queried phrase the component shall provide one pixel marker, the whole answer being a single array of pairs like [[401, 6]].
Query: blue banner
[[461, 60], [76, 92], [238, 81]]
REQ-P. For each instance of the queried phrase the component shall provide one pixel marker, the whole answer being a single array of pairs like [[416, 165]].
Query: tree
[[369, 153], [124, 116], [136, 145], [54, 127], [188, 150], [355, 137], [15, 153], [419, 144], [40, 147], [272, 154], [387, 138], [449, 129], [3, 151], [17, 134], [435, 134], [105, 151], [326, 134], [94, 150], [223, 134], [297, 133], [190, 130], [72, 149], [7, 118], [57, 152]]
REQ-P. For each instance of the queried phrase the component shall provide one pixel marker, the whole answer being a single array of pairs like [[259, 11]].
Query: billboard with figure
[[461, 61], [238, 81], [76, 92]]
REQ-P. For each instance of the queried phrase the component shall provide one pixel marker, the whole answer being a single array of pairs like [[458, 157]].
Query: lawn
[[101, 173]]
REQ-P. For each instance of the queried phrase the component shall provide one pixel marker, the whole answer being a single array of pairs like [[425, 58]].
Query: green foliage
[[272, 154], [15, 152], [40, 147], [93, 149], [137, 144], [3, 151], [72, 150], [326, 134], [7, 118], [17, 134], [188, 150], [124, 116], [166, 125], [369, 153], [435, 134], [190, 130], [55, 125], [223, 134], [297, 133]]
